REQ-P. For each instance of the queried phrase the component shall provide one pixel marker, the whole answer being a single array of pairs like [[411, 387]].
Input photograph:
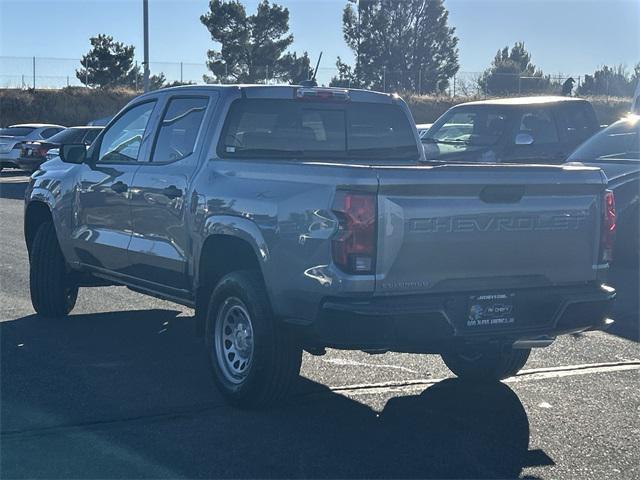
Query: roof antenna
[[312, 81]]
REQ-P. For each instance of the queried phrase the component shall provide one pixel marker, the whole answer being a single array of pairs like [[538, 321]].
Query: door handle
[[172, 192], [119, 187]]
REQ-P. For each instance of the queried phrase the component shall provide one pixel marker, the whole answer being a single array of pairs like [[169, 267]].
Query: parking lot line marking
[[524, 375], [346, 362]]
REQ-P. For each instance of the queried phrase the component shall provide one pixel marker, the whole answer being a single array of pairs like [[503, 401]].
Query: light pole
[[145, 21]]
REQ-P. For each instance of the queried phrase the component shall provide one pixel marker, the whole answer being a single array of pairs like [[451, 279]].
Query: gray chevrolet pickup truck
[[300, 218]]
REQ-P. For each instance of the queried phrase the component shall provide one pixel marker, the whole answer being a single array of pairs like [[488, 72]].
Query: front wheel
[[52, 292], [254, 359], [486, 364]]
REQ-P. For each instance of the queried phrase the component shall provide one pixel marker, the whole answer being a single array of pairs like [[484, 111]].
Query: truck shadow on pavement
[[13, 184], [626, 311], [129, 394]]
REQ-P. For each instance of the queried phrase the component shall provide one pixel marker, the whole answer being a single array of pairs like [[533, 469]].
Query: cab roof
[[524, 101], [278, 91]]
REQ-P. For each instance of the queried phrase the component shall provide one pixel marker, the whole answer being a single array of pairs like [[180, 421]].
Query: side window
[[540, 125], [49, 132], [579, 122], [179, 129], [457, 127], [121, 142], [90, 136]]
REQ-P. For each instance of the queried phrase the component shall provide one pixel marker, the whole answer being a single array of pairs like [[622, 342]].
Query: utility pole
[[145, 14]]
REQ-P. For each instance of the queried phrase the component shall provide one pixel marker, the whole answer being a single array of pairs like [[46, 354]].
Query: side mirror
[[73, 153], [524, 139]]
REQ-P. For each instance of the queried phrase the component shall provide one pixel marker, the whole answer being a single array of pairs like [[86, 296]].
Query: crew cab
[[511, 130], [298, 217]]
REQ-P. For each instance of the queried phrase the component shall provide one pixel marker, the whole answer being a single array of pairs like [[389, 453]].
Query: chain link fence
[[57, 73]]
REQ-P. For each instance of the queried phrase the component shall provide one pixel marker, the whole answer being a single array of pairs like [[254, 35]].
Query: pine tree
[[399, 45]]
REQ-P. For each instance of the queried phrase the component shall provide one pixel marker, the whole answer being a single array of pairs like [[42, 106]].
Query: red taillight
[[354, 246], [608, 227], [41, 151]]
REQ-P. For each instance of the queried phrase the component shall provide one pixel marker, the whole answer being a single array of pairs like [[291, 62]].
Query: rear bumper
[[8, 159], [437, 323], [29, 164]]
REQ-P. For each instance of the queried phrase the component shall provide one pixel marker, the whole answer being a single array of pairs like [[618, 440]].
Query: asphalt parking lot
[[121, 388]]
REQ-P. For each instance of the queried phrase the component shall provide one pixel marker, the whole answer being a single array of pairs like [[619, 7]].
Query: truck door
[[160, 201], [102, 220]]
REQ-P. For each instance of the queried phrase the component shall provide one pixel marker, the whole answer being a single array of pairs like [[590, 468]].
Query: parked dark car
[[33, 154], [616, 150], [511, 130], [13, 137]]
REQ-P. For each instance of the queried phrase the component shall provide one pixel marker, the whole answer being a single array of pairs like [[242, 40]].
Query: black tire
[[488, 364], [275, 357], [52, 294]]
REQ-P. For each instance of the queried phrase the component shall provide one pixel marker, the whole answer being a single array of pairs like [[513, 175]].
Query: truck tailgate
[[481, 227]]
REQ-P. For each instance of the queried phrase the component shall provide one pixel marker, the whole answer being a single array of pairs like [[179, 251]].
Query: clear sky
[[564, 36]]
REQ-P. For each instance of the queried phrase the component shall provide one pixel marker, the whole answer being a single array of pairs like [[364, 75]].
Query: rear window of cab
[[291, 129]]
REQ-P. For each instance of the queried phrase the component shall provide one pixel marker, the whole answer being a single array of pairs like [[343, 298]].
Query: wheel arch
[[230, 244], [36, 213]]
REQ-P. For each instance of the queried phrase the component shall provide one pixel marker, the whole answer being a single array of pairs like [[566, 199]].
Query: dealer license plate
[[491, 310]]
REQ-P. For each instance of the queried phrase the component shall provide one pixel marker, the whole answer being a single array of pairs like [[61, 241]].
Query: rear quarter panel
[[290, 205]]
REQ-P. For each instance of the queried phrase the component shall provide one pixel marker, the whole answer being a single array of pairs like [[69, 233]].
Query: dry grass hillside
[[68, 106], [77, 106]]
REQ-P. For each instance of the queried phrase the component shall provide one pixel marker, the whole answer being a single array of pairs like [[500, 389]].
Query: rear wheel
[[52, 292], [254, 360], [486, 364]]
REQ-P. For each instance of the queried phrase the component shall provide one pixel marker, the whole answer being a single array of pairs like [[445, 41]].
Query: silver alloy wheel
[[233, 340]]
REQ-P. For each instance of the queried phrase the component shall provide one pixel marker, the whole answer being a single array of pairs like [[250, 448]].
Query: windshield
[[618, 141], [299, 129], [469, 126], [16, 131]]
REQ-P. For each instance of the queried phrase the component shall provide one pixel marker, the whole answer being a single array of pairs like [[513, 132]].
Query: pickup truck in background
[[297, 217], [511, 130]]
